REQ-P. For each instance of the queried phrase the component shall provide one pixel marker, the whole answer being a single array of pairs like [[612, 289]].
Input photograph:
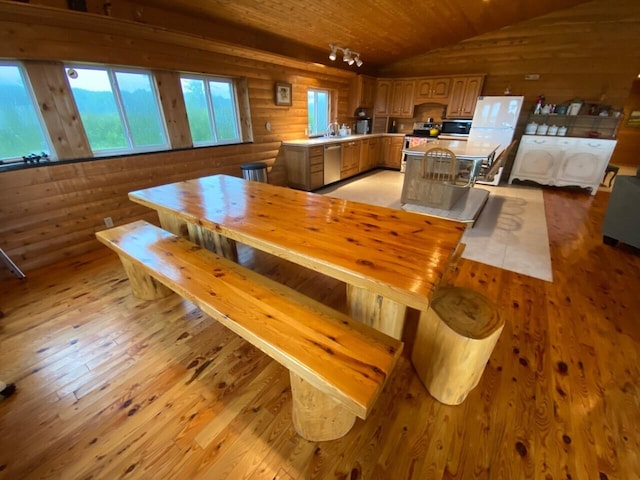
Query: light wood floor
[[114, 387]]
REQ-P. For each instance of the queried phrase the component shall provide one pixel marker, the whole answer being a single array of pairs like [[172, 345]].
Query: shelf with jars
[[583, 126]]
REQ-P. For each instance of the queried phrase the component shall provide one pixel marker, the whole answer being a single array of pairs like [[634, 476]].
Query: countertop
[[461, 148], [308, 142]]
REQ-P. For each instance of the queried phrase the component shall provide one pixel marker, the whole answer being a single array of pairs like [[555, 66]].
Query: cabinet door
[[472, 91], [316, 167], [431, 88], [374, 152], [464, 95], [537, 159], [585, 163], [383, 95], [397, 143], [361, 93], [385, 151], [402, 98], [364, 155]]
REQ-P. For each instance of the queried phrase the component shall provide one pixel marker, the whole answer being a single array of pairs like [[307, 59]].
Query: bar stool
[[454, 341]]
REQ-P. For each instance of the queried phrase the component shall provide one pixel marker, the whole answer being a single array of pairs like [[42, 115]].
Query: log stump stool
[[454, 341]]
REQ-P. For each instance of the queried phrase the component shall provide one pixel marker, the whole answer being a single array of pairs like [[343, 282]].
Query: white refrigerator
[[495, 119]]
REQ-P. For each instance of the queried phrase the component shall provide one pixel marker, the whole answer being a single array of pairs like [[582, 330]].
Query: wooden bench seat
[[337, 366]]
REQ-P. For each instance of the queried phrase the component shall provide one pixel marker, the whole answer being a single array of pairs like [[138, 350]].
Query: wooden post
[[316, 416], [454, 341], [144, 286], [384, 315], [223, 246]]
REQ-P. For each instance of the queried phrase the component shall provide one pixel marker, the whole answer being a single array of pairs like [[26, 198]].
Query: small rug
[[510, 233]]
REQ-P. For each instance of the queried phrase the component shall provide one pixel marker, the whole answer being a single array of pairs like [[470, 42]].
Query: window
[[119, 109], [211, 109], [318, 111], [22, 130]]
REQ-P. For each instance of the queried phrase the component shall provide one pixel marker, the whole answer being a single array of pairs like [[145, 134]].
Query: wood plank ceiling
[[382, 31]]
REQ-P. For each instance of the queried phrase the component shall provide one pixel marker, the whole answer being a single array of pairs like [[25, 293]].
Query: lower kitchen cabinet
[[305, 166], [350, 158], [562, 161], [391, 152]]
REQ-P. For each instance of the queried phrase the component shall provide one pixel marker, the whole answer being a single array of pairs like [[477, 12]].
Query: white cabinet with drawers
[[562, 161]]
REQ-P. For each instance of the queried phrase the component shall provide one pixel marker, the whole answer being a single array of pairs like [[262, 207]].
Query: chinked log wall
[[51, 212]]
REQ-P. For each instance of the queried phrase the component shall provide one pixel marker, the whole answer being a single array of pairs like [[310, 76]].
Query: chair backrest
[[440, 165], [499, 162]]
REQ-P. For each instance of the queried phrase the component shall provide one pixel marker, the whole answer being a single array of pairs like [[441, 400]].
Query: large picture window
[[211, 109], [119, 109], [22, 132], [318, 111]]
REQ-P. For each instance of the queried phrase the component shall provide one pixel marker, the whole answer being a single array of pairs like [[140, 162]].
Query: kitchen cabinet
[[394, 98], [369, 154], [383, 94], [305, 166], [361, 93], [562, 161], [391, 151], [427, 89], [350, 158], [464, 93]]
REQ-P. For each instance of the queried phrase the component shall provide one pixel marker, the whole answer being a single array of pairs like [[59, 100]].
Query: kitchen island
[[476, 153]]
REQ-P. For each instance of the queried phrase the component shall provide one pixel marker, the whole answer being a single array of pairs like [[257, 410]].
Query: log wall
[[591, 52], [52, 211]]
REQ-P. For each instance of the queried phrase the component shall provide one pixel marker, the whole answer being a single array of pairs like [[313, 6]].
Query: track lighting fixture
[[348, 55]]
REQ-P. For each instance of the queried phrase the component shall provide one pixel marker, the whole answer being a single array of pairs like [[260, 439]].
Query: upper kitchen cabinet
[[394, 98], [428, 89], [362, 93], [464, 94]]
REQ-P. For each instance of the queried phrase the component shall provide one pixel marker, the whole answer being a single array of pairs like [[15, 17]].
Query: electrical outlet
[[108, 222], [402, 126]]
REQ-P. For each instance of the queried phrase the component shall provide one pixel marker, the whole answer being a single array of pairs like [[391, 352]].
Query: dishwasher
[[332, 163]]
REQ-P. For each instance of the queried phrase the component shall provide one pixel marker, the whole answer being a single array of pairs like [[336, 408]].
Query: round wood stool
[[454, 341]]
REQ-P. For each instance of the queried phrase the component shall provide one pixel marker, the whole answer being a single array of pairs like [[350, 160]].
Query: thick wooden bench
[[337, 365]]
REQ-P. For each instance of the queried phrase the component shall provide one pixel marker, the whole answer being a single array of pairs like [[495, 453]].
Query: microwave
[[456, 127], [363, 125]]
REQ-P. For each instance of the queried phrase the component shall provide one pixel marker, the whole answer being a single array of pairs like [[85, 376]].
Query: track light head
[[347, 55], [332, 55]]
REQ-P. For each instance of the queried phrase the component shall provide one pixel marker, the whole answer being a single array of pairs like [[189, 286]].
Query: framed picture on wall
[[283, 93]]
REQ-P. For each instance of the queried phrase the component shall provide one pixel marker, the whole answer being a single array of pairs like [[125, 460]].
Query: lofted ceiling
[[382, 31]]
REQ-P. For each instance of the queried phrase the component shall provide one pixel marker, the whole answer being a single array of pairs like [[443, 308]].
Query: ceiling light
[[347, 55], [332, 55]]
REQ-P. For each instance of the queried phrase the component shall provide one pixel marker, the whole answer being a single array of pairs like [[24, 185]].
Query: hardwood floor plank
[[110, 386]]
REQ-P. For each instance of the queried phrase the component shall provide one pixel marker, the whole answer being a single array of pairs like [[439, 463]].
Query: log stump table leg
[[454, 341], [316, 416], [144, 286], [223, 246], [384, 315]]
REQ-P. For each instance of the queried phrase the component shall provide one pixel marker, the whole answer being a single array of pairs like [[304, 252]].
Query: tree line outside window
[[120, 111]]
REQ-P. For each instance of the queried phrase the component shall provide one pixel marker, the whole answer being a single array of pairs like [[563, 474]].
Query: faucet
[[333, 129]]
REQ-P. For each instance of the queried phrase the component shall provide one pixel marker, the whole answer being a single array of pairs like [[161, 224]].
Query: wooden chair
[[498, 163], [433, 181]]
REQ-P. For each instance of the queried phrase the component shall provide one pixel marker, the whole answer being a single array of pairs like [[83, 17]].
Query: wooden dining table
[[389, 259]]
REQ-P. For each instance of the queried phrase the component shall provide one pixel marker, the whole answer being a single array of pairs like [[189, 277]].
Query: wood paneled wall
[[52, 211], [591, 51]]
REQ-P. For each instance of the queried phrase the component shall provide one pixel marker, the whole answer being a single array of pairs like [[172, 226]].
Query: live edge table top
[[396, 254]]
